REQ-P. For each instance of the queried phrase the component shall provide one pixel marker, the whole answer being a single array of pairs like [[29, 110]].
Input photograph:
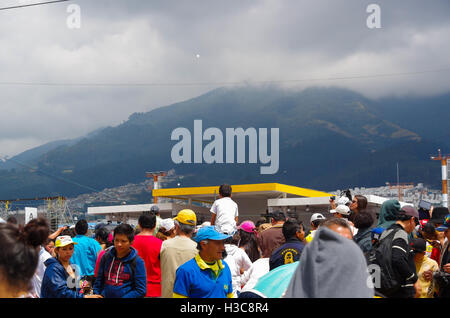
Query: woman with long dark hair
[[248, 240], [358, 204], [19, 255], [40, 236]]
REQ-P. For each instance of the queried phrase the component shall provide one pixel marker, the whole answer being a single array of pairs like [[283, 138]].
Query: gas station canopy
[[241, 191], [252, 199]]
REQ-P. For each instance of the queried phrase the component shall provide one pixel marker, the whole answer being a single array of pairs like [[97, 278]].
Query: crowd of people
[[404, 253]]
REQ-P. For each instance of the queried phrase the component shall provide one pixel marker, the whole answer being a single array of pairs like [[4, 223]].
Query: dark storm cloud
[[186, 41]]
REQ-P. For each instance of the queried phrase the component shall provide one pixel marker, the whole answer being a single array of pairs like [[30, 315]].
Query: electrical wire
[[174, 84], [58, 178], [32, 5]]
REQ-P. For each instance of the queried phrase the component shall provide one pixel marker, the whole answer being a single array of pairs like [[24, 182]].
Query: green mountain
[[329, 138]]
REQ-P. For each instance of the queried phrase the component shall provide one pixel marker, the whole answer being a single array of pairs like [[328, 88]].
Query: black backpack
[[381, 255]]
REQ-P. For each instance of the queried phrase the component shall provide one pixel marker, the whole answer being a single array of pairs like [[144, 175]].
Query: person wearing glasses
[[358, 204]]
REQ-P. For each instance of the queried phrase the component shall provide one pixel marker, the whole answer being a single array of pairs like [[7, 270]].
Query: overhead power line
[[92, 84], [61, 179], [32, 4]]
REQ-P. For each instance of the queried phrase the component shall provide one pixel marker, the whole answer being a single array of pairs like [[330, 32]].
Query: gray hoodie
[[331, 266]]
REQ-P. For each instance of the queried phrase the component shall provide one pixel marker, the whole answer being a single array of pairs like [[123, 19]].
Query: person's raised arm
[[57, 233]]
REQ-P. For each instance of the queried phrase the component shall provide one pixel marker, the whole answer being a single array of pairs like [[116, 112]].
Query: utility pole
[[443, 160], [155, 176], [400, 186]]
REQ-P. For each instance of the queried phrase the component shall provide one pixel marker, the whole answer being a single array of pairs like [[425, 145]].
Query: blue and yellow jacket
[[197, 279]]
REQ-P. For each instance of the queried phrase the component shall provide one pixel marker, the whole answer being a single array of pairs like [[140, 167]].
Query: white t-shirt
[[36, 282], [226, 210], [240, 259], [233, 269], [258, 269]]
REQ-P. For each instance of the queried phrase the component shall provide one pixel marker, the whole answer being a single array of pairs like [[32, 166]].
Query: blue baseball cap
[[376, 233], [445, 225], [209, 233]]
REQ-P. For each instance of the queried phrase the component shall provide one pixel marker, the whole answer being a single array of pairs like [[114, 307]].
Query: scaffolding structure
[[55, 210], [58, 212], [4, 210]]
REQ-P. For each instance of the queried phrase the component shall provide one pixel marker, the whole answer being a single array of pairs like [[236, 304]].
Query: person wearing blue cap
[[205, 275]]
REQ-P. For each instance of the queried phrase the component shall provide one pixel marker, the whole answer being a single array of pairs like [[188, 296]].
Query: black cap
[[419, 245], [428, 228], [439, 214], [278, 215]]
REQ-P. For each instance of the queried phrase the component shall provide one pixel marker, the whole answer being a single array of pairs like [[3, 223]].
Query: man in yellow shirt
[[423, 264]]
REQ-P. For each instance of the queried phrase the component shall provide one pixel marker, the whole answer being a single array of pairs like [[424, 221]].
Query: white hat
[[167, 224], [316, 216], [341, 209]]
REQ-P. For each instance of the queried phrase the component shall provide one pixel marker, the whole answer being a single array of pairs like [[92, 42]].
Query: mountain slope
[[329, 138]]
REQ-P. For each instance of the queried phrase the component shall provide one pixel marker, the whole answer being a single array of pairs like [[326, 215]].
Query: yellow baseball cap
[[186, 216], [64, 240]]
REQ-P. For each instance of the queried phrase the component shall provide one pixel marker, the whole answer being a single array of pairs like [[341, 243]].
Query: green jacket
[[388, 213]]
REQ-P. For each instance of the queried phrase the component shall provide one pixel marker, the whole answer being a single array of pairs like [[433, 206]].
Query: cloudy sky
[[131, 56]]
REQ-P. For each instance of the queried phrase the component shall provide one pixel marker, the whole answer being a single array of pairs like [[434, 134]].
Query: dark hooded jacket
[[119, 277], [287, 253], [55, 282], [331, 266], [388, 213], [364, 239]]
